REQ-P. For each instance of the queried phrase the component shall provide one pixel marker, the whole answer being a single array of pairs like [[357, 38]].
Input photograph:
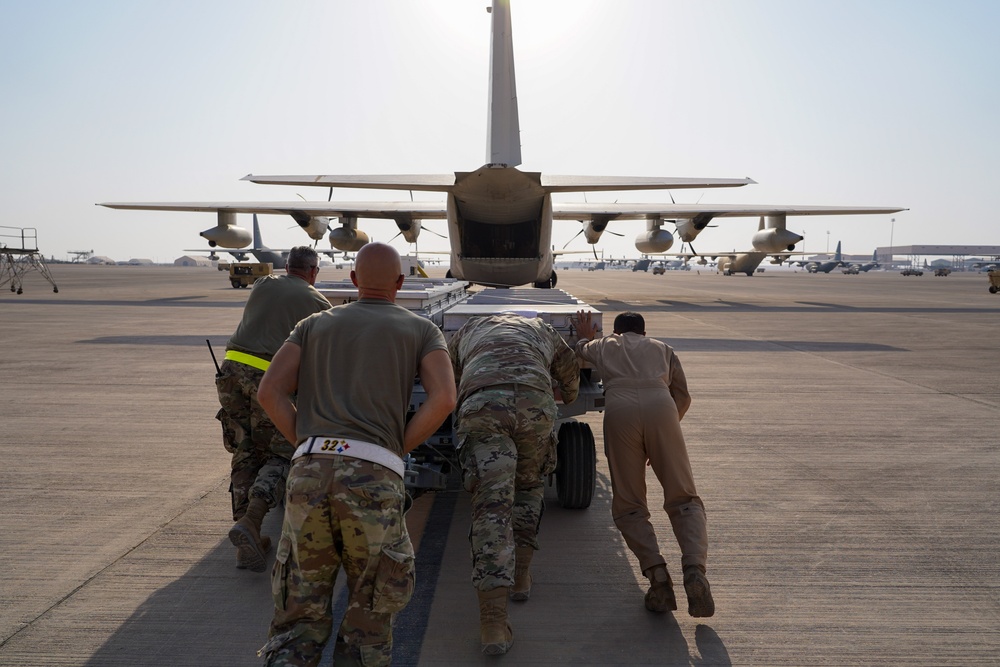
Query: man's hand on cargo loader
[[585, 326]]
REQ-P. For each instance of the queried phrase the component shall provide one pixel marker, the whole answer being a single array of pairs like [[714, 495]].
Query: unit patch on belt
[[334, 445]]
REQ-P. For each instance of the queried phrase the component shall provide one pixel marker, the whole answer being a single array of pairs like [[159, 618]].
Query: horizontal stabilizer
[[619, 183], [639, 211], [370, 209], [421, 182]]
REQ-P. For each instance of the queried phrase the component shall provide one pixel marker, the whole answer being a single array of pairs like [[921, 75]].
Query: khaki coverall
[[646, 397]]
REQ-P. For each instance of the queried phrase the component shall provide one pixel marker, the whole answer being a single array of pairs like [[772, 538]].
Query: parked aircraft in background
[[867, 266], [500, 218], [985, 265], [276, 257], [823, 266]]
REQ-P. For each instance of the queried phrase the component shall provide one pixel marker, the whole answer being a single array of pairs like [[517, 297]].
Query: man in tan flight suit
[[646, 398], [261, 455]]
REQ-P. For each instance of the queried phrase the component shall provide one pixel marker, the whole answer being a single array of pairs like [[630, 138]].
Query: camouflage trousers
[[261, 454], [506, 447], [339, 512]]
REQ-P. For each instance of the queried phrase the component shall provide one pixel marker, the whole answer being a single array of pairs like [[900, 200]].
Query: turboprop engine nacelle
[[409, 229], [348, 239], [653, 241], [775, 240], [593, 229], [226, 233], [686, 230], [315, 227]]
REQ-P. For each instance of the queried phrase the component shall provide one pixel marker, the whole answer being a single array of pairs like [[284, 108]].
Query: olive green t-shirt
[[274, 306], [357, 370]]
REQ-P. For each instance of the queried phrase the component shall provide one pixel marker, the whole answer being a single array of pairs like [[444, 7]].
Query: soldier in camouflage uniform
[[344, 506], [260, 454], [505, 365]]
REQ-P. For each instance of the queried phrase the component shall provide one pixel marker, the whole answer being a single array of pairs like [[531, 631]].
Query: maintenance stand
[[18, 254]]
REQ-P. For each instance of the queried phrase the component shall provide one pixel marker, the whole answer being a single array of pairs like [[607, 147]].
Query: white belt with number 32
[[359, 449]]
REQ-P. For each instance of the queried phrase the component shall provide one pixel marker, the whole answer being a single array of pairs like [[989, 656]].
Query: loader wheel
[[576, 471]]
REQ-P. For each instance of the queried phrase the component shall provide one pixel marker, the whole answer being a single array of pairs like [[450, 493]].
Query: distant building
[[139, 262], [189, 260], [100, 259]]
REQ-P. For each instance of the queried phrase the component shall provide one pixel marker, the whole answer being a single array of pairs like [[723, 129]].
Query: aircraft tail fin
[[257, 243], [838, 257], [503, 146]]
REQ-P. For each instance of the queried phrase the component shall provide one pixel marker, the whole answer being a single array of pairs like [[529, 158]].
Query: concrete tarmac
[[843, 435]]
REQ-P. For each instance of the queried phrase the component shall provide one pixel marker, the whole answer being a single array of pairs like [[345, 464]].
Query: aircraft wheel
[[547, 284], [576, 471]]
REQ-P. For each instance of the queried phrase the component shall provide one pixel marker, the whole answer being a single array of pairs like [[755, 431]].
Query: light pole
[[892, 229], [828, 242]]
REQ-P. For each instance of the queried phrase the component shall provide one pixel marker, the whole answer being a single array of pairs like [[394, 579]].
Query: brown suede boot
[[660, 596], [495, 632], [245, 535], [699, 594], [521, 590]]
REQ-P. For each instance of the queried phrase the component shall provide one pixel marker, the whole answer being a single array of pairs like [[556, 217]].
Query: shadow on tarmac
[[609, 306], [745, 345]]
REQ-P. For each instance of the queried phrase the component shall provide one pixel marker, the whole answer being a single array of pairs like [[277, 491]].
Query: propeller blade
[[572, 239]]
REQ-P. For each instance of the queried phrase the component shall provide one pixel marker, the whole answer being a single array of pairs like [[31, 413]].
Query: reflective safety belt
[[247, 359]]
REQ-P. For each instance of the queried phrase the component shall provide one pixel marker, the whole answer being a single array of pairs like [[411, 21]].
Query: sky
[[838, 103]]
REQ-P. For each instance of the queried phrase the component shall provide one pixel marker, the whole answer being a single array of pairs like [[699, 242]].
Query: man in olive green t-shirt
[[351, 370], [261, 456]]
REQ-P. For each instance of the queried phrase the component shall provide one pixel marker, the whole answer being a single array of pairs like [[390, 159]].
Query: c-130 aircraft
[[500, 218]]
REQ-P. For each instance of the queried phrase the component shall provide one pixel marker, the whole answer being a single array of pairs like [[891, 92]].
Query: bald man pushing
[[353, 368]]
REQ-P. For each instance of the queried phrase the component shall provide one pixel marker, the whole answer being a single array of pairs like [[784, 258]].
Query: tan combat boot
[[245, 535], [241, 556], [699, 594], [521, 590], [660, 596], [495, 632]]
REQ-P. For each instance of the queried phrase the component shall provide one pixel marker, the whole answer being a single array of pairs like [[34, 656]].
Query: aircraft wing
[[371, 209], [640, 211]]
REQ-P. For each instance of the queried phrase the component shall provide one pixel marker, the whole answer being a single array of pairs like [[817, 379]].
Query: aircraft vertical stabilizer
[[257, 243], [504, 132]]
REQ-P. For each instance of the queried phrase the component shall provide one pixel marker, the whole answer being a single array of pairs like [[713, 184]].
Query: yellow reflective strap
[[248, 359]]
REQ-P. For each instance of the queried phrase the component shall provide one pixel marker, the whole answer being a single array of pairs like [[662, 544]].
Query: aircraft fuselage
[[500, 225]]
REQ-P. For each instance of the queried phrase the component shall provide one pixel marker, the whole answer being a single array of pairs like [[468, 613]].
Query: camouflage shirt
[[511, 349]]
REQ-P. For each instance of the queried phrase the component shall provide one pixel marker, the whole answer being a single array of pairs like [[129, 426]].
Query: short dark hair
[[302, 257], [629, 322]]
